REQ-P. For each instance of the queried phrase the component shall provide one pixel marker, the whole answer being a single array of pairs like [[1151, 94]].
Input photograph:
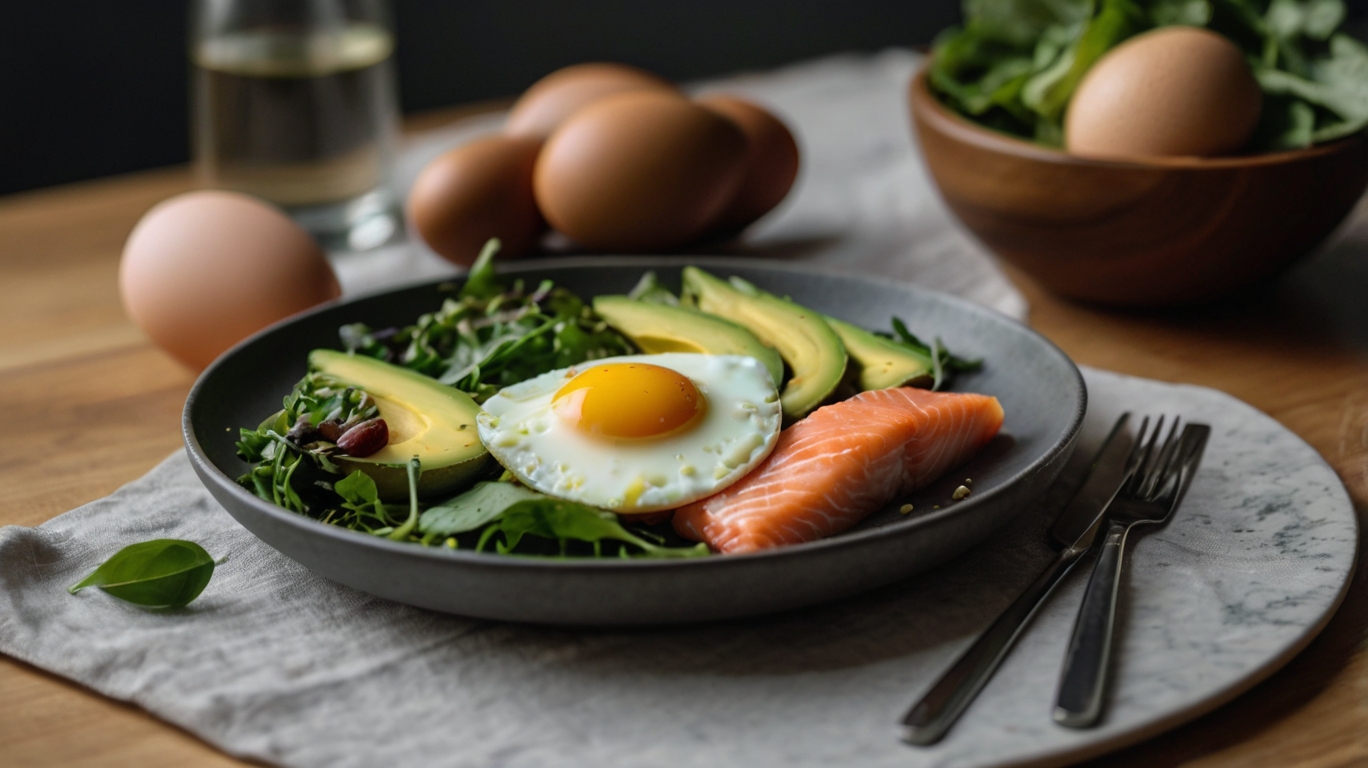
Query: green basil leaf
[[474, 508], [164, 573]]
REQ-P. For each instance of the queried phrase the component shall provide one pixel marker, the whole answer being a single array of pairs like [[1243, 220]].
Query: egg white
[[736, 432]]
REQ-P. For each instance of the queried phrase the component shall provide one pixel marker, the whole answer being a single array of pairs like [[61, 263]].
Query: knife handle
[[938, 709], [1079, 701]]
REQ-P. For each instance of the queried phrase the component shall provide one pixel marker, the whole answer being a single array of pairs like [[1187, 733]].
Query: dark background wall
[[97, 87], [94, 87]]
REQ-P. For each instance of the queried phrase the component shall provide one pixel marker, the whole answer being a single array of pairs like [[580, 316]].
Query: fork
[[1159, 476]]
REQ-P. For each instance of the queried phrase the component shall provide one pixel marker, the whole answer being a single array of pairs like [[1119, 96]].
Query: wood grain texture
[[92, 405]]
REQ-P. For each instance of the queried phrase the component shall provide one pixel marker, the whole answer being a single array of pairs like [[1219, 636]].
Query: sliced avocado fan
[[883, 363], [813, 351], [657, 328]]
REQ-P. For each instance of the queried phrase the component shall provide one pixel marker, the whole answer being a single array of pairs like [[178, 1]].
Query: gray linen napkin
[[276, 664]]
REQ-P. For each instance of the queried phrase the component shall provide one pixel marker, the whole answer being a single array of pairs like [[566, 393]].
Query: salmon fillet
[[841, 464]]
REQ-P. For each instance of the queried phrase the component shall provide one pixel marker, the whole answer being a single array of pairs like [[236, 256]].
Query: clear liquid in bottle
[[304, 120]]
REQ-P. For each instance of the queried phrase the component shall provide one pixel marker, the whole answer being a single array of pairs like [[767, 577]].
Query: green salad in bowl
[[1016, 66]]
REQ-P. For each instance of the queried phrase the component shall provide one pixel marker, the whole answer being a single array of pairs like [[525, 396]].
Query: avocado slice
[[812, 350], [882, 363], [657, 328], [426, 419]]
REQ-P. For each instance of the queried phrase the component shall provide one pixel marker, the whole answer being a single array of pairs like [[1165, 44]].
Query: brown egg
[[771, 161], [639, 172], [552, 99], [1176, 91], [204, 270], [476, 191]]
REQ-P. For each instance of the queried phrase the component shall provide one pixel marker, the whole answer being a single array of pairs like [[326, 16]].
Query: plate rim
[[206, 468]]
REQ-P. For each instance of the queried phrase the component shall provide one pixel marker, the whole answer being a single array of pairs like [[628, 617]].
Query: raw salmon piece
[[842, 463]]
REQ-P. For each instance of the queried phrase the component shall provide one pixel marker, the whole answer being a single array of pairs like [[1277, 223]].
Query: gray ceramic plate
[[1040, 389]]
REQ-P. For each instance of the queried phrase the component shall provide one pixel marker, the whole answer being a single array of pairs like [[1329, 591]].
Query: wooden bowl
[[1163, 231]]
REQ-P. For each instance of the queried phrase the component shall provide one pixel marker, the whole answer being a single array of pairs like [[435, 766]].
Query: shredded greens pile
[[491, 335], [1014, 64], [290, 464]]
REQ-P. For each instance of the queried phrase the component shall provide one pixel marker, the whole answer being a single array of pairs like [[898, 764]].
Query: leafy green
[[566, 521], [504, 514], [482, 282], [472, 509], [1048, 92], [943, 363], [290, 458], [163, 573], [1014, 64], [493, 335], [1337, 84], [361, 508]]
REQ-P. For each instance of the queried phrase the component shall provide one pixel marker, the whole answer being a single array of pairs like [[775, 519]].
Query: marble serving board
[[277, 665]]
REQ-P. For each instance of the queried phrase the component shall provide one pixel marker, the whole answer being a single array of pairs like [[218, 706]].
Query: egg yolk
[[629, 400]]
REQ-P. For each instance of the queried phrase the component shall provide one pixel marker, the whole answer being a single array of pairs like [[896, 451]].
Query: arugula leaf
[[565, 521], [481, 282], [163, 573], [943, 363], [291, 464], [361, 499], [472, 509]]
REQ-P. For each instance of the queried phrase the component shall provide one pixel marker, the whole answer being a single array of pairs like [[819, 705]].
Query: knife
[[938, 709]]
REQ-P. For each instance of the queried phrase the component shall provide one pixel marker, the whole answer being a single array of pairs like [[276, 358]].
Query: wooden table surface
[[90, 405]]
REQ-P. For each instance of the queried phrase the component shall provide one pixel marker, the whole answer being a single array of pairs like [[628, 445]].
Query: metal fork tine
[[1164, 463], [1136, 458], [1146, 469]]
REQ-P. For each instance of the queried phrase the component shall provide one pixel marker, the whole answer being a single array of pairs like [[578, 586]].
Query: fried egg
[[636, 434]]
